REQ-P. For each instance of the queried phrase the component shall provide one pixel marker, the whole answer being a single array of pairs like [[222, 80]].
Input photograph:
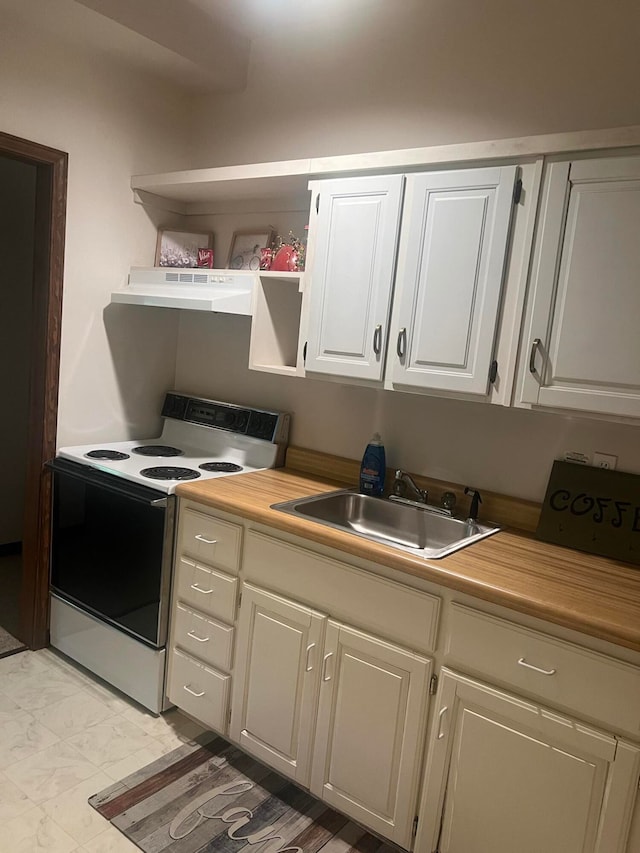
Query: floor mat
[[209, 796]]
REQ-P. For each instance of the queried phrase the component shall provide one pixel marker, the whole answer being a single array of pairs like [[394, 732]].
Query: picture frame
[[178, 248], [244, 253]]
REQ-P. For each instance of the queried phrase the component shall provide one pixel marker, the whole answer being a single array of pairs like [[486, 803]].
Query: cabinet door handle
[[523, 662], [326, 675], [199, 589], [196, 637], [193, 692], [377, 340], [204, 539], [441, 719], [309, 663], [401, 344], [535, 346]]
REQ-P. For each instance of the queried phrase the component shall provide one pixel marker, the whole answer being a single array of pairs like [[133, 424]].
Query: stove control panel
[[268, 426]]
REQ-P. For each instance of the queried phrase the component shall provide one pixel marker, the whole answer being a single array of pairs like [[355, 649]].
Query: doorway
[[32, 320]]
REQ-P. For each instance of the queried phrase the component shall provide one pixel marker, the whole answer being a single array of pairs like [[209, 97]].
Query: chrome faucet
[[402, 480]]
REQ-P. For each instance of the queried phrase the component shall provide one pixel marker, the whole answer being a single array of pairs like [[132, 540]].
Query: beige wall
[[333, 77], [385, 75], [17, 206], [115, 361], [504, 450], [373, 74]]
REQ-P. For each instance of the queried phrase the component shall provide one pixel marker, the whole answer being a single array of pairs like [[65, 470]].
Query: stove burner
[[226, 467], [157, 450], [113, 455], [170, 472]]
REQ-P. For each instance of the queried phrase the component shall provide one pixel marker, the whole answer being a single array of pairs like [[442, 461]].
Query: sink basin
[[409, 528]]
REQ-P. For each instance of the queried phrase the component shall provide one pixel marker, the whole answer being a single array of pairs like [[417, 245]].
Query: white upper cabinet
[[444, 311], [581, 347], [356, 232], [451, 264]]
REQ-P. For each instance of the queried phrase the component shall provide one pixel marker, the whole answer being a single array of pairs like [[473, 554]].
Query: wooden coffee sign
[[592, 509]]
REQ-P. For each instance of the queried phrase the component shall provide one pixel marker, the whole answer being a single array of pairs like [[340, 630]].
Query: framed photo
[[180, 248], [246, 246]]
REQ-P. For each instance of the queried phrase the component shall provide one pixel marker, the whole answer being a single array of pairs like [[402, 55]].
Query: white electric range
[[200, 439], [113, 532]]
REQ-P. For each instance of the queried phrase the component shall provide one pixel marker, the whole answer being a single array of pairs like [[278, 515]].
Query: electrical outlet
[[605, 460]]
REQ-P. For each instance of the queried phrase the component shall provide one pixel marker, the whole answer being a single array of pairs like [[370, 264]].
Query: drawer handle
[[441, 718], [310, 656], [193, 692], [196, 637], [523, 662], [199, 589], [326, 675], [204, 539]]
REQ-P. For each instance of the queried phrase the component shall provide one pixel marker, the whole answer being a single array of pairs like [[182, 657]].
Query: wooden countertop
[[594, 595]]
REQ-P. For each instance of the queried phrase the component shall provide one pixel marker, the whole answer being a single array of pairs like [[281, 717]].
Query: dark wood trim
[[49, 233]]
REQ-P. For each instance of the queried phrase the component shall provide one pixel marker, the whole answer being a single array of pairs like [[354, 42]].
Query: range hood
[[227, 291]]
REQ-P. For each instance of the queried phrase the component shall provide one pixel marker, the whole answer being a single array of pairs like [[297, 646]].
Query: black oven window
[[106, 555]]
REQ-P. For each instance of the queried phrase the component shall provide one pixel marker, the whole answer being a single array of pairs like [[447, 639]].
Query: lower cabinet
[[369, 734], [338, 710], [345, 713], [505, 774], [275, 681]]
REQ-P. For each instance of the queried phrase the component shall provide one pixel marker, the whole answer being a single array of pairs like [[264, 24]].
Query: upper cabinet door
[[352, 275], [581, 349], [451, 263]]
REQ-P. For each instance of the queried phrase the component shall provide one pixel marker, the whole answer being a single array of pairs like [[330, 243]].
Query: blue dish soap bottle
[[373, 467]]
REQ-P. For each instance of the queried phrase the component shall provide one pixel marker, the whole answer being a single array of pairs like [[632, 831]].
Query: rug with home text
[[209, 797]]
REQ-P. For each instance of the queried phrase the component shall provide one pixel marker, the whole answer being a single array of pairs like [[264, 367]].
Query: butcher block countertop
[[590, 594]]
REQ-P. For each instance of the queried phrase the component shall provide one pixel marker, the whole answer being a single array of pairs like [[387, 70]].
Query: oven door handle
[[111, 482]]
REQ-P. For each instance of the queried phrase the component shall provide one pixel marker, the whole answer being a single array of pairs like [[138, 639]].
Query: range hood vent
[[227, 291]]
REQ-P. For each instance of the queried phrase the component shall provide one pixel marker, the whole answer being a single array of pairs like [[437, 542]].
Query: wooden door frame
[[46, 316]]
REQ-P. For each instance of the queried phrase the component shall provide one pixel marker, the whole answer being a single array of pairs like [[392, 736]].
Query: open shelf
[[275, 327]]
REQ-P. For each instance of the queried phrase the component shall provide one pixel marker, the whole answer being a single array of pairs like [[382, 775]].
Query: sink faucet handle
[[475, 501]]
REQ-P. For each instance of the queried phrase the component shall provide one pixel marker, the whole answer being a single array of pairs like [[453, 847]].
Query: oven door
[[111, 549]]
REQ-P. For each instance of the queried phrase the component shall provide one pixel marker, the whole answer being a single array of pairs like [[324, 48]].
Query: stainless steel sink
[[402, 526]]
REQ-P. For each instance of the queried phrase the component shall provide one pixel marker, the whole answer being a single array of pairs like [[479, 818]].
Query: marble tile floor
[[65, 735]]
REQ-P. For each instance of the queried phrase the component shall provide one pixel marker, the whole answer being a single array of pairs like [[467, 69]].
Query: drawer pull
[[193, 692], [523, 662], [196, 637], [310, 656], [199, 589], [441, 718], [204, 539], [326, 675]]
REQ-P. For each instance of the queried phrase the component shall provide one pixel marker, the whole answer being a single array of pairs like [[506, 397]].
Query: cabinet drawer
[[210, 641], [558, 672], [209, 591], [200, 691], [210, 539]]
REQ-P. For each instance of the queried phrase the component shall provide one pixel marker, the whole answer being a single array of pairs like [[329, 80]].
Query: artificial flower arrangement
[[284, 256]]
